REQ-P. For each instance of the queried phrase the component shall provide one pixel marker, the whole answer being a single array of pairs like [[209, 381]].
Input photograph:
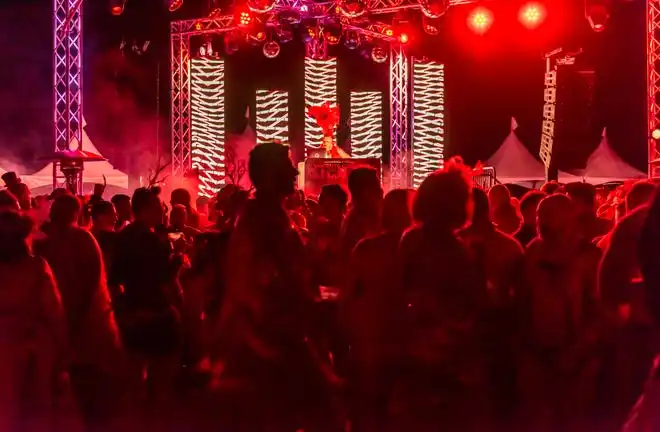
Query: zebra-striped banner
[[272, 116], [366, 124], [428, 122], [320, 87], [207, 122]]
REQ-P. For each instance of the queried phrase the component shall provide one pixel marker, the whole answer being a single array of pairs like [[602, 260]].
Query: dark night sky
[[489, 78]]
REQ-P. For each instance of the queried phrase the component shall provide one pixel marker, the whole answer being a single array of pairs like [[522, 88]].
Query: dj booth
[[317, 172]]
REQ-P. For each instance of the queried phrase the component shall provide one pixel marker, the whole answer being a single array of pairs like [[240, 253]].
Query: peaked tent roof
[[94, 171], [513, 163], [604, 166]]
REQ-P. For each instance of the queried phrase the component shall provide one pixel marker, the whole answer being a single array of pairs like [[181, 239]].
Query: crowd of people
[[446, 308]]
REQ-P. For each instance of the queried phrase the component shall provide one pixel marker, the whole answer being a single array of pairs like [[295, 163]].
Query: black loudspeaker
[[575, 127]]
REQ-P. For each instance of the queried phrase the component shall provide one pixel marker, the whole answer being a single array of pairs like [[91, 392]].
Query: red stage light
[[261, 36], [656, 134], [480, 20], [244, 19], [404, 38], [532, 15], [117, 10]]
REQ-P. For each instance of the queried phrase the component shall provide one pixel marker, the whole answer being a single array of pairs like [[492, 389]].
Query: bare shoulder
[[509, 243]]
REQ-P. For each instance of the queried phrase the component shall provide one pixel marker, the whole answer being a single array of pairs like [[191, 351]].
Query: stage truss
[[67, 76], [400, 170], [653, 81], [68, 85]]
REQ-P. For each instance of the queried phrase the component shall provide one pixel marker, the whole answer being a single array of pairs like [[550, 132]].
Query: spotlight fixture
[[271, 49], [243, 18], [655, 134], [480, 20], [403, 38], [174, 5], [532, 15], [597, 13], [332, 34], [352, 8], [117, 7], [434, 8], [261, 6], [378, 54], [430, 26], [351, 39]]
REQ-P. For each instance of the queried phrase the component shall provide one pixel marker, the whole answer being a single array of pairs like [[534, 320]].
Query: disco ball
[[378, 54], [271, 49], [261, 6], [434, 8]]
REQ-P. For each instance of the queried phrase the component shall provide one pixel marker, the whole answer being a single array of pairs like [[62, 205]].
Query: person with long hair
[[442, 293], [32, 332], [77, 263]]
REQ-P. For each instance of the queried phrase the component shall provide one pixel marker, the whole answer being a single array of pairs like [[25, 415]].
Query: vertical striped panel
[[272, 116], [366, 124], [428, 118], [320, 87], [207, 129]]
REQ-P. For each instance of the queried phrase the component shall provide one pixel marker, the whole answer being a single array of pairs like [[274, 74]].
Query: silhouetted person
[[33, 332], [528, 205], [503, 213], [122, 205], [363, 219], [369, 313], [324, 236], [501, 258], [560, 321], [8, 201], [584, 196], [632, 348], [645, 415], [443, 294], [104, 220], [19, 189], [77, 263], [147, 266], [268, 309], [182, 197]]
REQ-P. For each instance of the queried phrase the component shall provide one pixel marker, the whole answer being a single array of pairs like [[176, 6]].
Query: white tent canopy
[[604, 166], [513, 163], [94, 171]]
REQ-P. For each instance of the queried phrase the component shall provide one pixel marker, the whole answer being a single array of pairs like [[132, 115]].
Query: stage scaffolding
[[68, 85], [181, 32]]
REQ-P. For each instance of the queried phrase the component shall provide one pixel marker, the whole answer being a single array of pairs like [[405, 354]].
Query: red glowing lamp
[[404, 38], [244, 18], [532, 15], [655, 134], [480, 20]]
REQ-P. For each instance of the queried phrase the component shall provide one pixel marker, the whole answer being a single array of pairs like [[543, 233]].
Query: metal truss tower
[[400, 151], [67, 73], [653, 81]]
